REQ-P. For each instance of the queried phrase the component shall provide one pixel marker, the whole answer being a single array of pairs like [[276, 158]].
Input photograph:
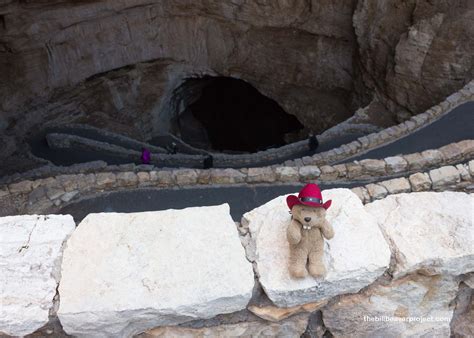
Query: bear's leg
[[298, 259], [316, 266]]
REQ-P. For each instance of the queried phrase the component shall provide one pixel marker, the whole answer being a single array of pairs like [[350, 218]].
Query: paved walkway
[[454, 127], [241, 199], [458, 125], [66, 157]]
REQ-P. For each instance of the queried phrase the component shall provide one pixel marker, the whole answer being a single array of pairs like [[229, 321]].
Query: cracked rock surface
[[395, 309], [31, 249], [433, 231], [354, 258], [125, 273]]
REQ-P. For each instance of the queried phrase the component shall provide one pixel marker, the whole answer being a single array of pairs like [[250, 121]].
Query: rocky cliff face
[[296, 53], [413, 53], [117, 63]]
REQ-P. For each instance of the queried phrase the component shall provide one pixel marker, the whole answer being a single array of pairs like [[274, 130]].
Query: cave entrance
[[229, 115]]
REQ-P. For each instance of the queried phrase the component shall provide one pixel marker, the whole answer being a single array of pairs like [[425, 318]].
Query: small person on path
[[172, 149], [146, 156], [313, 142]]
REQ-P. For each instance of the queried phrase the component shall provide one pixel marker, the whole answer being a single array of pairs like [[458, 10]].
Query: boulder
[[420, 181], [261, 175], [444, 176], [433, 157], [185, 176], [431, 231], [226, 176], [362, 193], [414, 306], [396, 164], [376, 191], [396, 185], [309, 173], [287, 174], [354, 258], [373, 167], [31, 249], [123, 274]]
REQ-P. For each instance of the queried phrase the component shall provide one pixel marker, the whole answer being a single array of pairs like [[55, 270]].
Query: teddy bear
[[306, 232]]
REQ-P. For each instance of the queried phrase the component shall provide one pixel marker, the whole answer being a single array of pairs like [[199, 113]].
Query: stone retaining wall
[[119, 139], [458, 178], [194, 267], [47, 194], [360, 146]]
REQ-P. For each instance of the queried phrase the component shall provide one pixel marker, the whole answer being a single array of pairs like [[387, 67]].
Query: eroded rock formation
[[294, 52], [116, 64]]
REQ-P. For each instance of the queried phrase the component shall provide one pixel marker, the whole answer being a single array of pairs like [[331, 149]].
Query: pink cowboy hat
[[310, 195]]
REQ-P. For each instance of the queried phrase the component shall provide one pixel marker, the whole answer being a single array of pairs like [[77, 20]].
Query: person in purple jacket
[[146, 156]]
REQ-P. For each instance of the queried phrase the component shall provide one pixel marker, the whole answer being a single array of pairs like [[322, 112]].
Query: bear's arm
[[327, 230], [293, 233]]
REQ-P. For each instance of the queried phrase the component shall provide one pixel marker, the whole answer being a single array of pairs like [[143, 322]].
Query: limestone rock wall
[[416, 51], [399, 266], [116, 64], [296, 52]]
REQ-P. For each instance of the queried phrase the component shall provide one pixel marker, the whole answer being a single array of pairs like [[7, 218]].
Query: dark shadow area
[[230, 115]]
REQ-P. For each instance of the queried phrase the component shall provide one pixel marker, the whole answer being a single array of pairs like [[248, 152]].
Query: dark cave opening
[[230, 115]]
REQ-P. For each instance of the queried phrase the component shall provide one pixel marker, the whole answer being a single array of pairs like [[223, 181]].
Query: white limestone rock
[[413, 306], [444, 176], [123, 274], [432, 231], [354, 258], [30, 257]]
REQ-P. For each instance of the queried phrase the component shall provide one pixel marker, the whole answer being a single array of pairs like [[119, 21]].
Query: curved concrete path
[[240, 198], [458, 125], [67, 157]]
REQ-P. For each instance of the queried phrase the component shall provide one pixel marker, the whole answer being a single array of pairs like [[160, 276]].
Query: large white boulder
[[123, 274], [413, 306], [432, 231], [354, 258], [30, 259]]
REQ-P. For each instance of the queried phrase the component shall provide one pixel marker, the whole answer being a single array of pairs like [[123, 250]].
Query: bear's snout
[[307, 219]]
